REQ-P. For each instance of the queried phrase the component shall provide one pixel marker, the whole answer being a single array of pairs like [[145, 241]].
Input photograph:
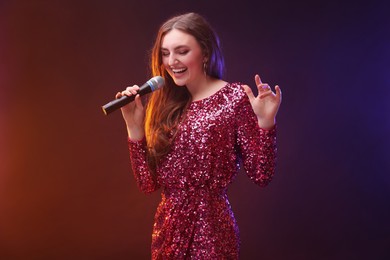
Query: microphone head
[[156, 82]]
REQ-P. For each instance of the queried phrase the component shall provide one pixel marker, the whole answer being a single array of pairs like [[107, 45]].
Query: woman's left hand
[[266, 104]]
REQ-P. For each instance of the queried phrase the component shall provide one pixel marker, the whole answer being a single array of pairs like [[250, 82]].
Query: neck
[[204, 87]]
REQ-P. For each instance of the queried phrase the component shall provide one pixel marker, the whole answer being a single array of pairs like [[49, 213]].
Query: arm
[[133, 115], [257, 134], [146, 181], [257, 146]]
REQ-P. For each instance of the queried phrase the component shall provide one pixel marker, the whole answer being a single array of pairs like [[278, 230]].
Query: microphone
[[150, 86]]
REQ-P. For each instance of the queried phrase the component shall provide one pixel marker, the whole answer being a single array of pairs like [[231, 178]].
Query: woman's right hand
[[133, 113]]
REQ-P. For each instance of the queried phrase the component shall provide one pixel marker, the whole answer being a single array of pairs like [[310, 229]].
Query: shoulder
[[237, 87], [236, 92]]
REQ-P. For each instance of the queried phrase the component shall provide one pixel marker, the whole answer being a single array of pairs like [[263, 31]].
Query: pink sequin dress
[[194, 219]]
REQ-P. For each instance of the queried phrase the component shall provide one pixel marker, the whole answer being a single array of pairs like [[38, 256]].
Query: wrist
[[266, 124], [135, 133]]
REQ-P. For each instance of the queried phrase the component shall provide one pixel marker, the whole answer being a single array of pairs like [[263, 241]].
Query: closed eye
[[183, 52]]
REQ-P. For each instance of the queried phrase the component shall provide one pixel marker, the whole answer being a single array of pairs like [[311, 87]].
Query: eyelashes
[[166, 54]]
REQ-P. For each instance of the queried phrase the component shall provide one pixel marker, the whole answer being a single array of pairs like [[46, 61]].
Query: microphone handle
[[117, 103], [124, 100]]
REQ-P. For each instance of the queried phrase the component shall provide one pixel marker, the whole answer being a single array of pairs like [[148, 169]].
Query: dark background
[[66, 189]]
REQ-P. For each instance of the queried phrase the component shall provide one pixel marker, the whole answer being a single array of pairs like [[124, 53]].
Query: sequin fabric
[[194, 219]]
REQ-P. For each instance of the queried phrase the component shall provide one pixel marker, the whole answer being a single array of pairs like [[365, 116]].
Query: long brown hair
[[168, 105]]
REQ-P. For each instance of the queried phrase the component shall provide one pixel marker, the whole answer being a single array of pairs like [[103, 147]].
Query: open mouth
[[178, 71]]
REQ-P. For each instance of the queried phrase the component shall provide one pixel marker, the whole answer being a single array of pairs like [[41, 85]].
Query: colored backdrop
[[66, 188]]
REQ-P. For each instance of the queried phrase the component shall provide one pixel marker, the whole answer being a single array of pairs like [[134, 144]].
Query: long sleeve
[[144, 178], [256, 145]]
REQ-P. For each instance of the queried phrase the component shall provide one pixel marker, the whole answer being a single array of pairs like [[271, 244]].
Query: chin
[[180, 83]]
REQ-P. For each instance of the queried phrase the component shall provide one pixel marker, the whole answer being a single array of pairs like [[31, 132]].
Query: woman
[[190, 138]]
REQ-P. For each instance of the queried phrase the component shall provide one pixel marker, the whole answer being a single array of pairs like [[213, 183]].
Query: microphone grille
[[157, 82]]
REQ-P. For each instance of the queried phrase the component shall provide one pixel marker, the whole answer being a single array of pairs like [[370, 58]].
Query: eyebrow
[[176, 48]]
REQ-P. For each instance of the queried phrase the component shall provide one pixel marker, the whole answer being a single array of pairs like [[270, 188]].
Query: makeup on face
[[182, 57]]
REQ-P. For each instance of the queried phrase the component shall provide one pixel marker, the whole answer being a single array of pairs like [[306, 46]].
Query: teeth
[[178, 70]]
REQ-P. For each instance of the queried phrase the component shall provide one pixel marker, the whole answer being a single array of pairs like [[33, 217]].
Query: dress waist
[[193, 192]]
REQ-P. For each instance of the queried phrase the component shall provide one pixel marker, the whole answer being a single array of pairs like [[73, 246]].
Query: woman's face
[[182, 57]]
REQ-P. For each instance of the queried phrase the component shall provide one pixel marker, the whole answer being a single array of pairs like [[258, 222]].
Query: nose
[[172, 60]]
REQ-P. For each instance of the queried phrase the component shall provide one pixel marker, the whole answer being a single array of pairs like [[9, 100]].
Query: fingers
[[129, 91], [261, 87], [258, 80], [266, 94], [269, 92], [265, 90], [249, 92], [278, 92]]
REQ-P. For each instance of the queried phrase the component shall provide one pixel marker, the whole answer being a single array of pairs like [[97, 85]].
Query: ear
[[205, 57]]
